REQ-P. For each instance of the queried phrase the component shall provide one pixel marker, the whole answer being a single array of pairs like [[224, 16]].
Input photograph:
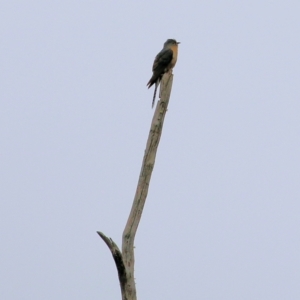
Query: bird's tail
[[155, 90], [152, 80]]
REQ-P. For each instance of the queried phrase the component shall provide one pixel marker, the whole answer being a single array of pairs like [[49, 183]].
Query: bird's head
[[170, 42]]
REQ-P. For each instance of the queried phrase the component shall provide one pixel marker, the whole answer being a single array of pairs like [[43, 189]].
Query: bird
[[164, 61]]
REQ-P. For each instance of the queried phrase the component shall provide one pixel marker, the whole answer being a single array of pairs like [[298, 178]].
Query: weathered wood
[[125, 261], [118, 258]]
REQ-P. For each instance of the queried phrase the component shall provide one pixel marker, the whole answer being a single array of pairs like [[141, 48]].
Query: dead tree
[[125, 260]]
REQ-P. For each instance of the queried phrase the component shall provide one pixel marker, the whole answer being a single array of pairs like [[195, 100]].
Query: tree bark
[[125, 261]]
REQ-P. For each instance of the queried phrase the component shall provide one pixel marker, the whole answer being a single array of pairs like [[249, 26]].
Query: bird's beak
[[178, 43]]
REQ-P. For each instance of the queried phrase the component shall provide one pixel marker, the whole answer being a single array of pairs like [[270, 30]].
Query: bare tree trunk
[[125, 260]]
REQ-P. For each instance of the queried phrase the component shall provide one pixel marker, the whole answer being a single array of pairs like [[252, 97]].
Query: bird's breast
[[174, 58]]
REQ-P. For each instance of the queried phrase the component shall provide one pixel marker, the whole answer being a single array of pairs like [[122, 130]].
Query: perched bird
[[164, 61]]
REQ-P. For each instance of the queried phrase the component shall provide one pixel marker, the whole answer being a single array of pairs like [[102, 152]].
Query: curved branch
[[118, 258]]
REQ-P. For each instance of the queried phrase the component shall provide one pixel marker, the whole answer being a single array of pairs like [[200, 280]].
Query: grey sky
[[221, 221]]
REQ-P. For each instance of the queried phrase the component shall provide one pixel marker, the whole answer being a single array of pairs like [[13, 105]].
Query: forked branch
[[125, 260]]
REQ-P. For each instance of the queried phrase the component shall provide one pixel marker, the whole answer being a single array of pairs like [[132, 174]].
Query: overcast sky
[[221, 221]]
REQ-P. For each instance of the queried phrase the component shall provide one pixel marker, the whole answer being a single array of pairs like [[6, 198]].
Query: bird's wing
[[161, 63], [162, 60]]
